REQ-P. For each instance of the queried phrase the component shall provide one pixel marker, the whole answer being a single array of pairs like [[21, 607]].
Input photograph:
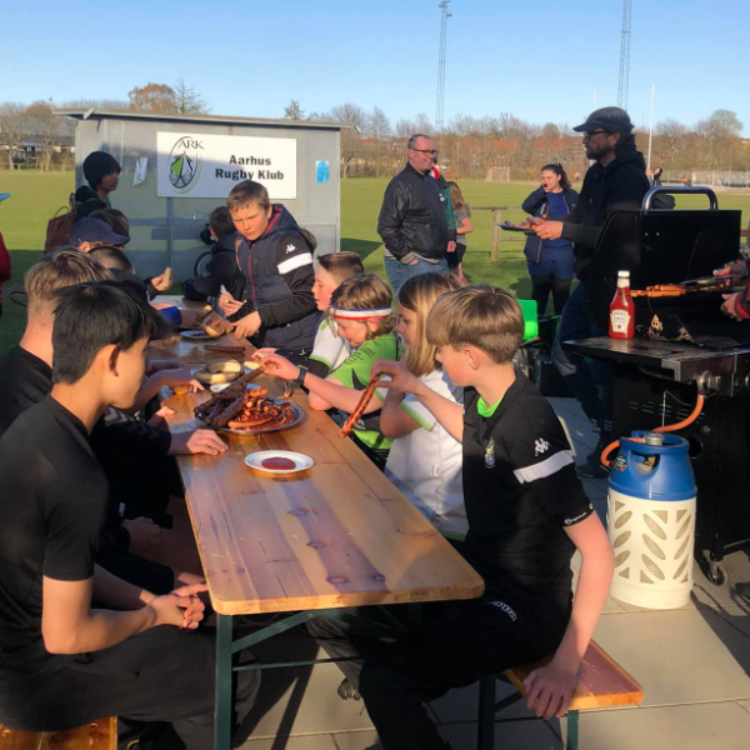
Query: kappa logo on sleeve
[[290, 249], [540, 446]]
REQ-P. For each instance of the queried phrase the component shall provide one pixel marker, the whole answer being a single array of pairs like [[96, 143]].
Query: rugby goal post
[[498, 174]]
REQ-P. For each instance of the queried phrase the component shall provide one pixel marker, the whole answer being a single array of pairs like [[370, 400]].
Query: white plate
[[301, 461]]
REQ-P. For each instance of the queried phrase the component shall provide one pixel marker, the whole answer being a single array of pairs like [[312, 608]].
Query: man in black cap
[[616, 181], [102, 172]]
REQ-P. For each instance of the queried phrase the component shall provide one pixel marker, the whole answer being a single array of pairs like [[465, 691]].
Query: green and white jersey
[[355, 372], [329, 348]]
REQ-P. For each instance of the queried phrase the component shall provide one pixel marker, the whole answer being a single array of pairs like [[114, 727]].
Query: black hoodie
[[88, 201], [220, 271], [620, 185], [278, 268]]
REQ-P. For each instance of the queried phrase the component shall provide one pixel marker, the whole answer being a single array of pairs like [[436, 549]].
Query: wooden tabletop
[[193, 352], [337, 535]]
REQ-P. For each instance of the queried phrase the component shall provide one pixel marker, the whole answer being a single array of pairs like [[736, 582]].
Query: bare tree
[[350, 114], [378, 125], [423, 124], [187, 100], [83, 104], [43, 126], [294, 111], [405, 128], [11, 128]]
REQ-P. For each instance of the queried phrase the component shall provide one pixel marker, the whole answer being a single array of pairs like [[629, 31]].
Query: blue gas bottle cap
[[653, 471]]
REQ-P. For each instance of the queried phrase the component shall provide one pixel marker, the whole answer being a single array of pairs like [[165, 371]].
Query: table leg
[[572, 743], [223, 704]]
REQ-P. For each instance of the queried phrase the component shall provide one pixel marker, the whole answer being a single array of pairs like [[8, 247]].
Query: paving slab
[[510, 735], [679, 656], [701, 726], [314, 742], [301, 700], [462, 705]]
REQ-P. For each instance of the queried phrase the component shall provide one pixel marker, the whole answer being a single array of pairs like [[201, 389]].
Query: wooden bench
[[602, 683], [96, 735]]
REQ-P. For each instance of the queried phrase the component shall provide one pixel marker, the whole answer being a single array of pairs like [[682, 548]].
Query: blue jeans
[[398, 273], [590, 381]]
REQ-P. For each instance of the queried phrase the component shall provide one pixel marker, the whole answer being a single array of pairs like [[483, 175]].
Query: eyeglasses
[[425, 151]]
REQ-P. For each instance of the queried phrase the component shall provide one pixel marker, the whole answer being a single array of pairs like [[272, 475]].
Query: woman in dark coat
[[551, 261]]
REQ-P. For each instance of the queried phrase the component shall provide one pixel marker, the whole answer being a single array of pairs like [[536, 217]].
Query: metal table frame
[[227, 648]]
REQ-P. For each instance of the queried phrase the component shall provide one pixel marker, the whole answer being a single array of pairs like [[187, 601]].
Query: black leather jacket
[[412, 219]]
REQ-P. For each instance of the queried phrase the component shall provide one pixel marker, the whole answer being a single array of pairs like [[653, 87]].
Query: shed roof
[[115, 114]]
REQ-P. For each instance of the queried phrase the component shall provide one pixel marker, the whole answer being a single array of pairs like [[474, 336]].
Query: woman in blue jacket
[[551, 261]]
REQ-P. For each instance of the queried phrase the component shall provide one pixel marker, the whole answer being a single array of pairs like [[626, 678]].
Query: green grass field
[[36, 197]]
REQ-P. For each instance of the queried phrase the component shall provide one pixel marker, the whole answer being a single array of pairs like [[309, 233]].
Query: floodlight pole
[[440, 103]]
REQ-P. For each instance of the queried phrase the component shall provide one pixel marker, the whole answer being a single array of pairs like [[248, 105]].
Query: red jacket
[[5, 269]]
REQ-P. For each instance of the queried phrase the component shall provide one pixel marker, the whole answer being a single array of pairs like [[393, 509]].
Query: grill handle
[[679, 190]]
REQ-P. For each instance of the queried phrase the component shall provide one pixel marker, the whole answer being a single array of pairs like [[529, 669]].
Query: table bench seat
[[602, 683], [96, 735]]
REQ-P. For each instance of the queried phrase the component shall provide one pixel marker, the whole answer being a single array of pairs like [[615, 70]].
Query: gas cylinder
[[651, 505]]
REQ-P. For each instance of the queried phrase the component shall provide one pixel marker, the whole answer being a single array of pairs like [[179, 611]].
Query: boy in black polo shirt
[[527, 515], [63, 663]]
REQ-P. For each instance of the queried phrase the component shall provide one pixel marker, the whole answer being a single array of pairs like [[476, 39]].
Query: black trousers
[[162, 675], [467, 641], [541, 286]]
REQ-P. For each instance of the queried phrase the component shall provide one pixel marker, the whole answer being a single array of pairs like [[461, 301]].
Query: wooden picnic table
[[338, 535]]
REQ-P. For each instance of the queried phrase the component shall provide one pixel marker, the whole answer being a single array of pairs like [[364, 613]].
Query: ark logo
[[185, 164]]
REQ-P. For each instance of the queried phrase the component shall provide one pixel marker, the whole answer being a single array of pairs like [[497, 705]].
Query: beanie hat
[[97, 166]]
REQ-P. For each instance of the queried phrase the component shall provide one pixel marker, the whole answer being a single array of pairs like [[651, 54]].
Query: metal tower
[[622, 89], [440, 104]]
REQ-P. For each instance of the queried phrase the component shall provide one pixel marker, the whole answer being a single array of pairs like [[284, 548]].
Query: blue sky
[[539, 61]]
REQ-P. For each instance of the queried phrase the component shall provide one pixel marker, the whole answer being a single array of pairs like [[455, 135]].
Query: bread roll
[[230, 365], [211, 378]]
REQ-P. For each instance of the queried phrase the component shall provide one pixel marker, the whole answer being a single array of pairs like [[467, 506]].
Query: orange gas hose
[[700, 400]]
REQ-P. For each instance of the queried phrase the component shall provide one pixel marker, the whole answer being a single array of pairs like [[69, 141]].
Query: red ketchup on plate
[[278, 464]]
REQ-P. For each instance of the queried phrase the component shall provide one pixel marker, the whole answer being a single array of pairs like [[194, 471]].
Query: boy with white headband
[[361, 309]]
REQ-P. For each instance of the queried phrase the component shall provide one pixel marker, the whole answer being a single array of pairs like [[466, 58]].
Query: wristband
[[300, 379]]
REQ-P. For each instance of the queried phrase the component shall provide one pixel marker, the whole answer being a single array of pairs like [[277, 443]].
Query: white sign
[[198, 165]]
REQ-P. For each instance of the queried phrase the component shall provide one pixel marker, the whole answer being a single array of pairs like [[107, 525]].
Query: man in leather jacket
[[412, 221]]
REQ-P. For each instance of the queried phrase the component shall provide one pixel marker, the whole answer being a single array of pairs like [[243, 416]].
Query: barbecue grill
[[684, 345]]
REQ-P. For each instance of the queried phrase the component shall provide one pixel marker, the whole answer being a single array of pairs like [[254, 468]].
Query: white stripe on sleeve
[[545, 468], [290, 264]]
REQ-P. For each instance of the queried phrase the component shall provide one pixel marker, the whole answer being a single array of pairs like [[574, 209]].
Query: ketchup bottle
[[622, 309]]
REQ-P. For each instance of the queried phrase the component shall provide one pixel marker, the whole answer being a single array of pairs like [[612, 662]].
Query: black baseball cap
[[611, 119], [95, 230]]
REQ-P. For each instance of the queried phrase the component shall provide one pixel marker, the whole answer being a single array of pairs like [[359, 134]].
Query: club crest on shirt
[[489, 454], [290, 249]]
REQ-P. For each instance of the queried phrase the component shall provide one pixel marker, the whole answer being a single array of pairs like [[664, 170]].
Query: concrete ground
[[693, 664]]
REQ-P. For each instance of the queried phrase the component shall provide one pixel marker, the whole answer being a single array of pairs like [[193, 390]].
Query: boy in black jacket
[[527, 516], [221, 270], [277, 263]]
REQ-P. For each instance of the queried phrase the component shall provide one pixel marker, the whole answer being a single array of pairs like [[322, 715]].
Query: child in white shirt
[[425, 460]]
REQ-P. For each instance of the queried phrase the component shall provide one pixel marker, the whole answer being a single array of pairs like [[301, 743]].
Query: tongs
[[714, 280]]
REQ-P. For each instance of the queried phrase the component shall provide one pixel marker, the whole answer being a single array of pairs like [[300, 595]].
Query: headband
[[380, 312]]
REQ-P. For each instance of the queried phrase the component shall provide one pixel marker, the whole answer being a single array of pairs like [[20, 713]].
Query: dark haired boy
[[277, 263], [135, 456], [527, 514], [102, 172], [63, 663], [222, 269]]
